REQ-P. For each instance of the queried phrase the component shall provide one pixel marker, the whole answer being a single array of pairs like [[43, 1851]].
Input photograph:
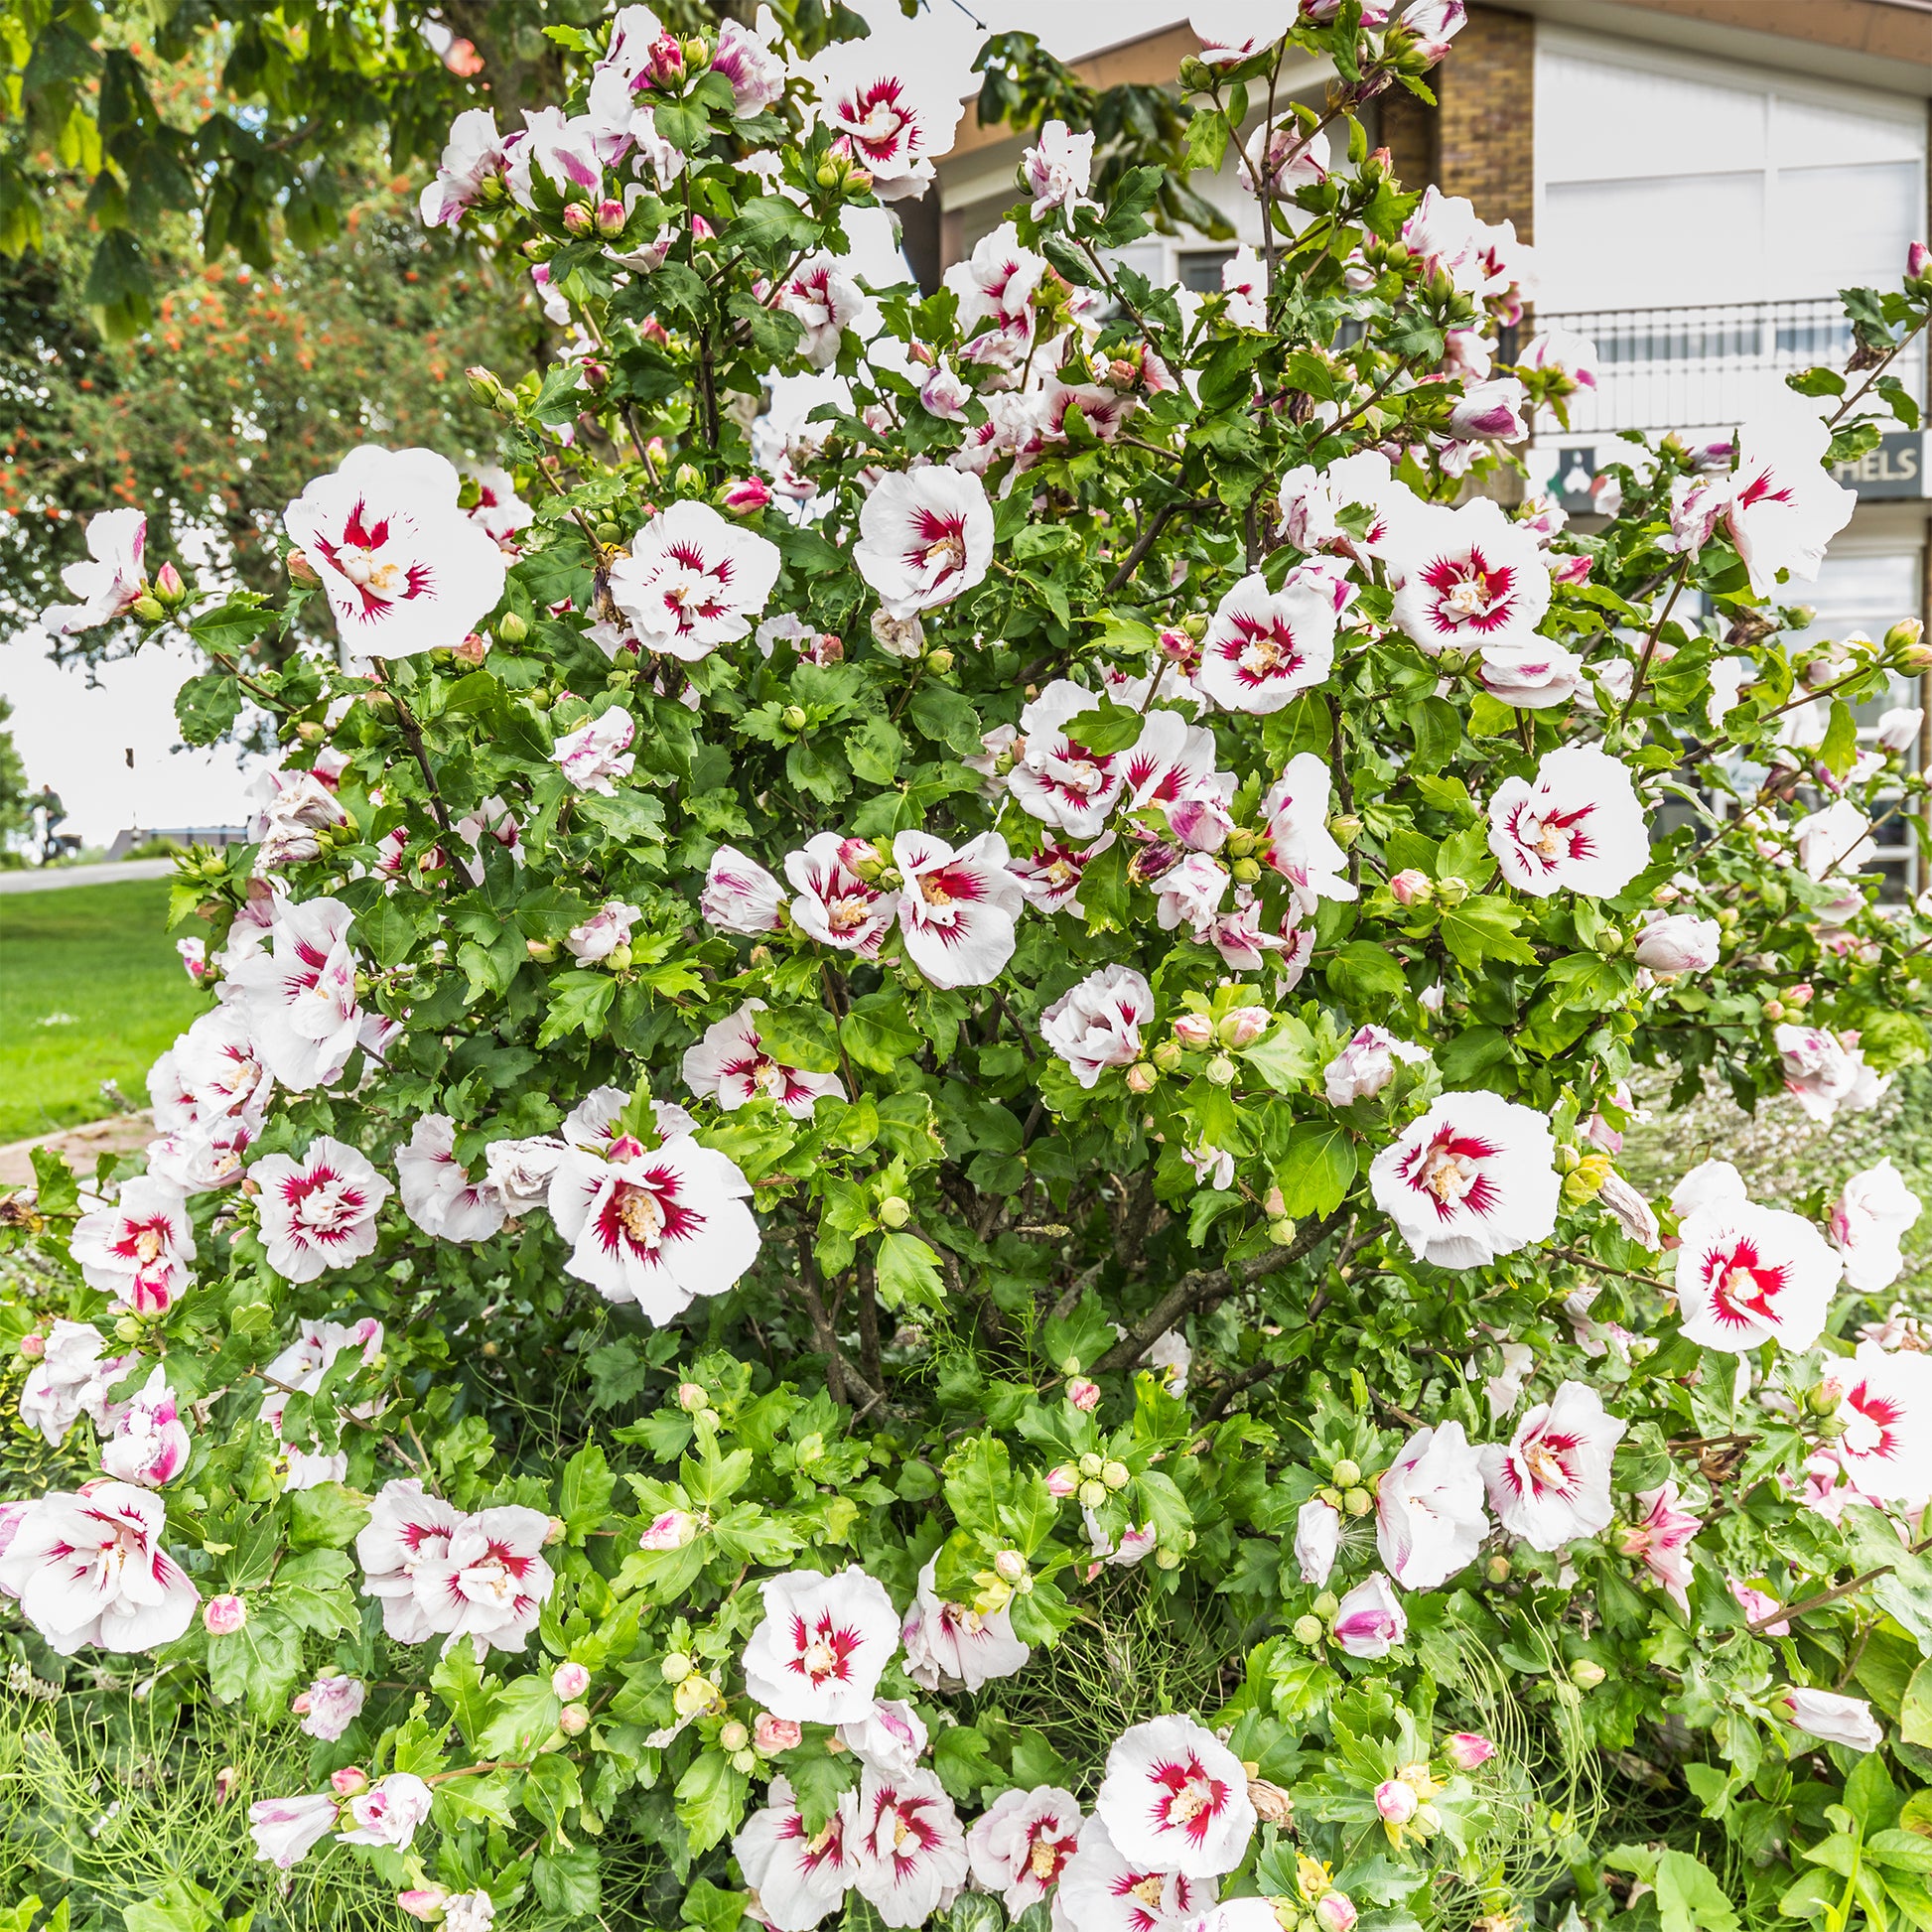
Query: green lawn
[[91, 989]]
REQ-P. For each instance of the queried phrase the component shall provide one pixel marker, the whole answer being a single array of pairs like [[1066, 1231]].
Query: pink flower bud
[[1466, 1749], [1571, 570], [578, 218], [1919, 262], [33, 1347], [665, 64], [1084, 1395], [1412, 888], [746, 496], [570, 1680], [670, 1531], [701, 229], [1009, 1566], [301, 1704], [1063, 1481], [1335, 1911], [1141, 1078], [1396, 1802], [225, 1782], [553, 1532], [349, 1780], [573, 1720], [223, 1617], [690, 1395], [425, 1902], [609, 217], [1244, 1025], [626, 1147], [1193, 1029], [166, 582], [770, 1735]]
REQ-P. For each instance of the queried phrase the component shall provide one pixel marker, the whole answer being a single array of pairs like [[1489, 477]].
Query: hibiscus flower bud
[[1412, 888], [147, 608], [1905, 645], [33, 1347], [223, 1617], [1467, 1749], [1273, 1205], [1918, 259], [1091, 1464], [691, 1398], [609, 217], [486, 387], [1142, 1078], [424, 1902], [940, 660], [578, 218], [1824, 1399], [1395, 1802], [1220, 1070], [225, 1782], [1358, 1502], [570, 1680], [1009, 1566], [511, 630], [1166, 1056], [770, 1735], [168, 586], [1092, 1494], [1063, 1481], [1586, 1673], [348, 1781], [1193, 1029], [695, 1696], [553, 1533], [471, 650], [1498, 1570], [1773, 1009], [1281, 1232], [746, 496], [1335, 1911], [1116, 1475], [894, 1211], [1244, 1025], [1084, 1395], [1309, 1630], [574, 1719], [1347, 1474], [1246, 872], [794, 718]]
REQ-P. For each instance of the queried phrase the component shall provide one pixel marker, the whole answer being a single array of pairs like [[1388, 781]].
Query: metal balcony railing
[[1704, 367]]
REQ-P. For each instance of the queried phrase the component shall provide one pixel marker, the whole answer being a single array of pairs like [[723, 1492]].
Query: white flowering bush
[[899, 1204]]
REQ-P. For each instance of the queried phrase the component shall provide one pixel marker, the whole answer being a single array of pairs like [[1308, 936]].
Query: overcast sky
[[106, 741]]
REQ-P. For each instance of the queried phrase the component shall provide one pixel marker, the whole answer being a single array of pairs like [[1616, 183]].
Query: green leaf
[[907, 1271], [310, 1588], [710, 1799], [1690, 1897], [577, 1002], [207, 707], [1483, 928], [819, 1780], [57, 1187], [1839, 751], [524, 1714], [550, 1789], [1366, 976], [567, 1882], [325, 1517], [1107, 727], [801, 1036], [1915, 1713], [262, 1662], [583, 1495], [1319, 1168], [943, 714], [1899, 1851], [877, 1033], [964, 1761]]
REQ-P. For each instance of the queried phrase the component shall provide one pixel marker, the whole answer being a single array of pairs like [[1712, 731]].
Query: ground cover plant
[[899, 1198], [91, 989]]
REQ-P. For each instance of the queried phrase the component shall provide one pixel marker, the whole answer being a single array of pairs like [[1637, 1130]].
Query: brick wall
[[1479, 140]]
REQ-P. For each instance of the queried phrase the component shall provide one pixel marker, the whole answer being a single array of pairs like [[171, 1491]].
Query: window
[[1665, 181]]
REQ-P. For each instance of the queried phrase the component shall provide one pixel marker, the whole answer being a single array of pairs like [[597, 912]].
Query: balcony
[[1706, 367]]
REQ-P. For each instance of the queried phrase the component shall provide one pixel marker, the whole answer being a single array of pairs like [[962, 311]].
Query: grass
[[91, 989]]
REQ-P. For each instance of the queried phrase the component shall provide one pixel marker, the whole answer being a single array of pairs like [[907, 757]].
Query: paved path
[[50, 879], [82, 1145]]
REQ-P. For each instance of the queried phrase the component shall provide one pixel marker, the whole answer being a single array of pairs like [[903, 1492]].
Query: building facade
[[1699, 179]]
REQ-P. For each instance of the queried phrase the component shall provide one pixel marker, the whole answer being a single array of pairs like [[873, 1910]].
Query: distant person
[[48, 802]]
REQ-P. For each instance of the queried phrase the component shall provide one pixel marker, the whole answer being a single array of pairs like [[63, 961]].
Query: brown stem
[[1142, 545], [828, 1342], [1650, 642], [868, 1362], [1208, 1284], [413, 734]]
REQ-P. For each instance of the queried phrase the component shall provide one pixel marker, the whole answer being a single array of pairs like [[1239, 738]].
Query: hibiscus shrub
[[898, 1202]]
